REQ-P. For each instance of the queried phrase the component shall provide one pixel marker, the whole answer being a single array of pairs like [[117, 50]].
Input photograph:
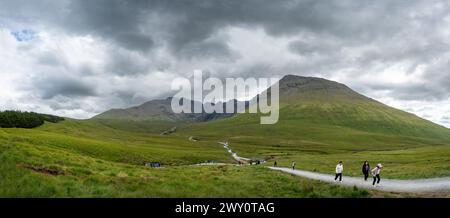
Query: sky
[[78, 58]]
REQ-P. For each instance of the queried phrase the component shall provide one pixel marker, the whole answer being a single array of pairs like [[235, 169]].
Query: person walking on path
[[366, 170], [293, 165], [376, 174], [339, 170], [275, 164]]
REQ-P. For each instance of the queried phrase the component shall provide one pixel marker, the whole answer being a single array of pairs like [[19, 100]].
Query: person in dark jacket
[[366, 170]]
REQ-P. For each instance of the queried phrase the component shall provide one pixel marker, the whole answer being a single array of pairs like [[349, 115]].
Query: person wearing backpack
[[376, 174]]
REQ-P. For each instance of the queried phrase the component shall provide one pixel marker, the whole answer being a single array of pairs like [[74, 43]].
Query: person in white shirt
[[376, 174], [293, 165], [339, 170]]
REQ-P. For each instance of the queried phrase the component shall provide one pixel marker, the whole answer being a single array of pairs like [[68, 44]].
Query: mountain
[[323, 101], [160, 110], [317, 101], [299, 88], [304, 101], [321, 122]]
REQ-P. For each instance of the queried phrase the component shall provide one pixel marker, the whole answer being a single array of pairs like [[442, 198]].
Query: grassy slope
[[318, 128], [96, 140], [86, 159], [313, 149], [96, 160]]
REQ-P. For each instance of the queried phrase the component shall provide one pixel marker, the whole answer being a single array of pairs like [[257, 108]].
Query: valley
[[321, 122]]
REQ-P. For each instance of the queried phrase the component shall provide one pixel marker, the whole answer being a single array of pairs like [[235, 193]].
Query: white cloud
[[109, 57]]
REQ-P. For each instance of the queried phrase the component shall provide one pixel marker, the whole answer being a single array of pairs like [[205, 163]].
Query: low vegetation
[[19, 119], [70, 159], [320, 124]]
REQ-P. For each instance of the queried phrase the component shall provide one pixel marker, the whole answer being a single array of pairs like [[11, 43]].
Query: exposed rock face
[[161, 110], [290, 87]]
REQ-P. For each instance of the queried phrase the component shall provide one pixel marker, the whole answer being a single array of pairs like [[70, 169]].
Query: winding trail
[[234, 154], [389, 185]]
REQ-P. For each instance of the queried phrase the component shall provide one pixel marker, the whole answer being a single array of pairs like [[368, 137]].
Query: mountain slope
[[323, 122], [323, 102], [160, 110], [303, 101], [152, 110]]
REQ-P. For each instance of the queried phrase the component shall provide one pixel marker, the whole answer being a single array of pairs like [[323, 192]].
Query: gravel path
[[233, 154], [390, 185]]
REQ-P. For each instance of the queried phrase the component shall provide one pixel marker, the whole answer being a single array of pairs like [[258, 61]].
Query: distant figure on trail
[[376, 174], [366, 170], [293, 165], [339, 170], [275, 164]]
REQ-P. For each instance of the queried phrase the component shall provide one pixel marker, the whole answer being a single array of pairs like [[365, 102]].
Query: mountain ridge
[[160, 109], [154, 108], [308, 100]]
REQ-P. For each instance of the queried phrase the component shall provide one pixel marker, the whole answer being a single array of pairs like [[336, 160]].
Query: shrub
[[18, 119]]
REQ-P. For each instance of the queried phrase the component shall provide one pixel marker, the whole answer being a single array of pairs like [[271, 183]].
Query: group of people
[[365, 170]]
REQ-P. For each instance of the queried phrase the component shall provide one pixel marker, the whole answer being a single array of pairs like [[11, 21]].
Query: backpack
[[374, 171]]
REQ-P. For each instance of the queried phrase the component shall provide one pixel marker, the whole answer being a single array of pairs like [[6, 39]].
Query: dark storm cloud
[[120, 21], [307, 48], [439, 75], [354, 38], [201, 18], [205, 49], [125, 63], [50, 87], [49, 59], [425, 91], [185, 25]]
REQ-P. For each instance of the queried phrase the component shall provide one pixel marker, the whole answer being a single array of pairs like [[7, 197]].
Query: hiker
[[275, 164], [366, 170], [293, 165], [376, 174], [339, 170]]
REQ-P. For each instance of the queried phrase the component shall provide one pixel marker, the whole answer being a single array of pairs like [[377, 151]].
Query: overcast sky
[[77, 58]]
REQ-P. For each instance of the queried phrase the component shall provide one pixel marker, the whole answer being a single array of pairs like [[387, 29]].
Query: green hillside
[[88, 159], [321, 122]]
